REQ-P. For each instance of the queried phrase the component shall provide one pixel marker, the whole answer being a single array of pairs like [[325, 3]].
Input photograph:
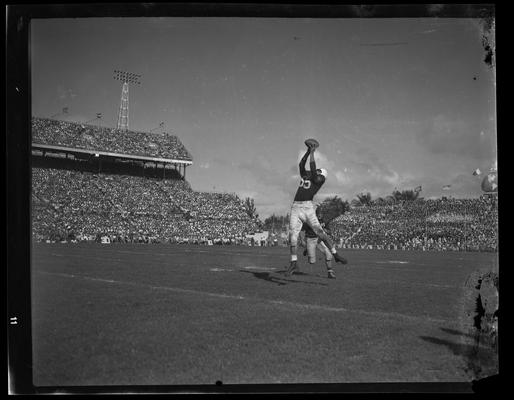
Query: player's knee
[[293, 239], [312, 260]]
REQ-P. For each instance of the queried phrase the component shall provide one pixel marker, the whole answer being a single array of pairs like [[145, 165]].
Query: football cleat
[[340, 259], [293, 267], [331, 274]]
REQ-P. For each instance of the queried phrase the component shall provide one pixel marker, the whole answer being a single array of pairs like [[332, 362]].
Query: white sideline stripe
[[89, 257], [435, 285], [198, 251], [239, 297]]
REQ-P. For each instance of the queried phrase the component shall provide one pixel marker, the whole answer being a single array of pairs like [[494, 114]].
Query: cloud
[[362, 171], [444, 135], [265, 172], [65, 94]]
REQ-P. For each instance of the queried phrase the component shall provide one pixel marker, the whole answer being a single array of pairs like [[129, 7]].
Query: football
[[490, 183], [311, 143]]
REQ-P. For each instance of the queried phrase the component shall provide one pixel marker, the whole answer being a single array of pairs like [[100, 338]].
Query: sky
[[395, 103]]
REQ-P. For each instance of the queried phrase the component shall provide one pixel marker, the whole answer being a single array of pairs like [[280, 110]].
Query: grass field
[[128, 314]]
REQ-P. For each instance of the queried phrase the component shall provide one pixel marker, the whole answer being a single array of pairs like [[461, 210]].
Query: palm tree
[[390, 199], [250, 209], [409, 195], [363, 199], [397, 195], [380, 201], [332, 207]]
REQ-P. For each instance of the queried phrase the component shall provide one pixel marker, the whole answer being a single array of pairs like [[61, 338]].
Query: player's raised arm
[[312, 162], [303, 161]]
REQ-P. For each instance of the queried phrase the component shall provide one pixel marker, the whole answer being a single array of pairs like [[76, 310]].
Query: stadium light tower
[[126, 78]]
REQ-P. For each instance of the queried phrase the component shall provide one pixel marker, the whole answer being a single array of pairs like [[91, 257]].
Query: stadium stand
[[75, 199], [439, 224], [72, 200]]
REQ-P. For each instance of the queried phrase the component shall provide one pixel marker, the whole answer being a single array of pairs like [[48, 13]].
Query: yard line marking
[[261, 268], [195, 251], [150, 253], [400, 282], [391, 268], [240, 297], [365, 312], [87, 257], [392, 262]]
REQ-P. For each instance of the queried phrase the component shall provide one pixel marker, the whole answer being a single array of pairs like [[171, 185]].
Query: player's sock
[[294, 257]]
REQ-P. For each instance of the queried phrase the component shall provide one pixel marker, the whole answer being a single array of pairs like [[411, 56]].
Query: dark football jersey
[[307, 189]]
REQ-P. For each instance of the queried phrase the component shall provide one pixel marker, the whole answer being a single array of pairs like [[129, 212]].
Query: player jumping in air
[[302, 210]]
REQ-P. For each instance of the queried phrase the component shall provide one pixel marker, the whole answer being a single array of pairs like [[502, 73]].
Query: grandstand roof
[[74, 137]]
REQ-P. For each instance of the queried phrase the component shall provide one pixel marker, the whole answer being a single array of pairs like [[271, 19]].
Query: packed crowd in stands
[[74, 200], [91, 137], [439, 224], [75, 205]]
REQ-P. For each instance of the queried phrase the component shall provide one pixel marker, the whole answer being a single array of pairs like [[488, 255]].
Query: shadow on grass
[[480, 360], [458, 333], [456, 348], [272, 277]]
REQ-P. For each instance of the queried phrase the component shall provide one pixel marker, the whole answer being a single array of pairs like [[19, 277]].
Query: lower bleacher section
[[82, 205]]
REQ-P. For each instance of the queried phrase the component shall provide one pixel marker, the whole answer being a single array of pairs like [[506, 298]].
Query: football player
[[311, 242], [303, 211]]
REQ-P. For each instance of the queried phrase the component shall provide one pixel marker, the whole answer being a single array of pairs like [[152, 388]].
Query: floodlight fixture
[[127, 77]]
